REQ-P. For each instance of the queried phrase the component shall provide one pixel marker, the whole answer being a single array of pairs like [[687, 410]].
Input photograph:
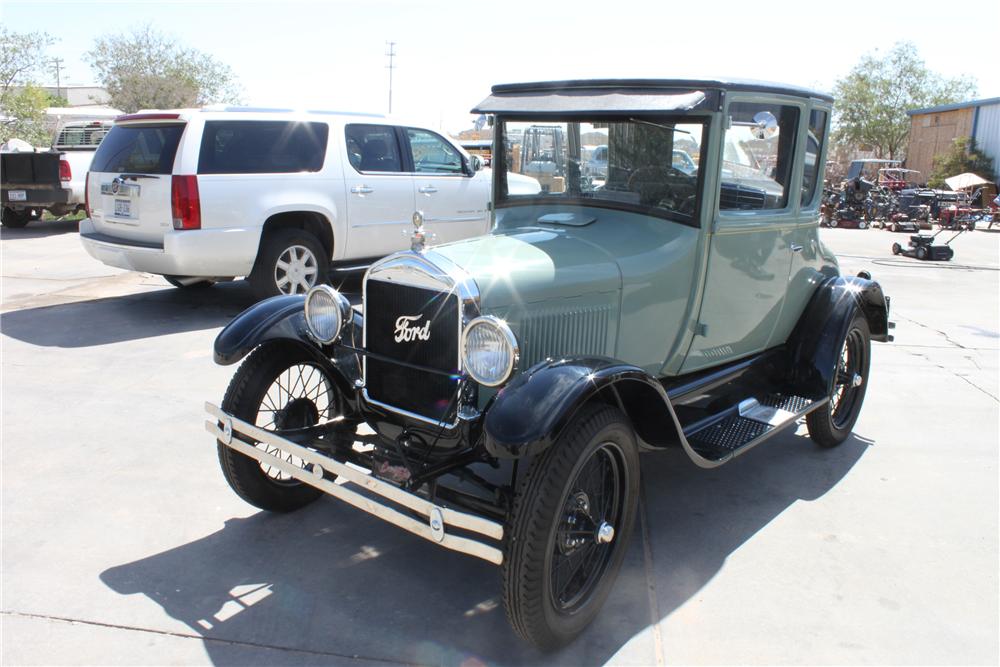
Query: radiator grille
[[426, 323]]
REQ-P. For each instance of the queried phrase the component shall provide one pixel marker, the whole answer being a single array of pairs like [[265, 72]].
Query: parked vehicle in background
[[495, 393], [200, 195], [51, 180]]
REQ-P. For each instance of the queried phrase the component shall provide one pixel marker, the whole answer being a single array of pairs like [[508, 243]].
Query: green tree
[[963, 157], [22, 104], [872, 100], [145, 69]]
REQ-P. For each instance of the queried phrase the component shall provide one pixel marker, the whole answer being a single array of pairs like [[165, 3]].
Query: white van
[[278, 196]]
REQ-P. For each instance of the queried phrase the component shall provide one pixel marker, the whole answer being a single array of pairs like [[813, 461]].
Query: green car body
[[506, 384]]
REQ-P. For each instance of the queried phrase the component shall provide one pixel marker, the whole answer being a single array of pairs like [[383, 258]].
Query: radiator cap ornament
[[418, 242]]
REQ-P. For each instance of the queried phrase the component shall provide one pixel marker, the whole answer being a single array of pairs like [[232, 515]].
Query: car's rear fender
[[816, 341], [281, 319]]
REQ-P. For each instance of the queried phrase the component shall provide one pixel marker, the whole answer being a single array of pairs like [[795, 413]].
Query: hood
[[533, 264]]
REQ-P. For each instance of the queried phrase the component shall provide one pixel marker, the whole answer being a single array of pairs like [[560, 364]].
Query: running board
[[751, 422]]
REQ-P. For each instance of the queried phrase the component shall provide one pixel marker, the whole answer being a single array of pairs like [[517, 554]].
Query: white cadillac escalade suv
[[277, 196]]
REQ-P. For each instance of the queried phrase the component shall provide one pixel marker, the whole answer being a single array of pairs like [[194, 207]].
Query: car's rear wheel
[[570, 527], [830, 424], [279, 386], [290, 261], [16, 219]]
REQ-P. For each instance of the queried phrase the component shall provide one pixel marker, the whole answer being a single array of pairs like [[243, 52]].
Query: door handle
[[362, 190], [796, 248], [427, 189]]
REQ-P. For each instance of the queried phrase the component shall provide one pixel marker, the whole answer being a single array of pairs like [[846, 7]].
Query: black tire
[[833, 221], [297, 246], [176, 282], [551, 499], [830, 424], [921, 252], [16, 219], [249, 398], [862, 225], [896, 248]]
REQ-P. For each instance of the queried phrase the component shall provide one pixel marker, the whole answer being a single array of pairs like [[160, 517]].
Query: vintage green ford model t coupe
[[665, 288]]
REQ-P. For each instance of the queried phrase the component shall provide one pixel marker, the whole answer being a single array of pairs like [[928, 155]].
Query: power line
[[390, 52]]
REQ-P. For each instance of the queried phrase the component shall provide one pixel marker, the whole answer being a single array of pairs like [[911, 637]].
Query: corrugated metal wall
[[987, 132]]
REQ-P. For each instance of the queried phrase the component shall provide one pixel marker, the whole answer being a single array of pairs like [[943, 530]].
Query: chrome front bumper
[[438, 519]]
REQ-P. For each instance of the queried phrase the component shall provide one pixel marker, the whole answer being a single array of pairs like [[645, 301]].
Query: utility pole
[[58, 65], [390, 51]]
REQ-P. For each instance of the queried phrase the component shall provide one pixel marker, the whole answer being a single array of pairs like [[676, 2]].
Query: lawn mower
[[922, 246]]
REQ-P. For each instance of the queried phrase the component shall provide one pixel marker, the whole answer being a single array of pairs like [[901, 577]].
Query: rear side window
[[814, 148], [373, 148], [262, 147], [139, 149]]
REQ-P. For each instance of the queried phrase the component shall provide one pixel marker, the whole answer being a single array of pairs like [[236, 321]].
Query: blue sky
[[331, 54]]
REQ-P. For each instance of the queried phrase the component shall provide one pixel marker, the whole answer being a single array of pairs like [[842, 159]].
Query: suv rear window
[[138, 149], [262, 147]]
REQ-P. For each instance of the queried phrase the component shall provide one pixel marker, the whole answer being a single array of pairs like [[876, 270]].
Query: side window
[[814, 148], [757, 156], [372, 148], [262, 147], [432, 154]]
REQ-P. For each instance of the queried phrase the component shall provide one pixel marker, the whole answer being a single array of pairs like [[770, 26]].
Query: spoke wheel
[[290, 261], [570, 527], [830, 424], [296, 270], [278, 387]]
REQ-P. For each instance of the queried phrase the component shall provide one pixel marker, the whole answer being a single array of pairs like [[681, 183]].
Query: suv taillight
[[185, 203], [86, 194], [65, 173]]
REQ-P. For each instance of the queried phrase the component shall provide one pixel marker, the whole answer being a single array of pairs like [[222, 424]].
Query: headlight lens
[[326, 311], [489, 351]]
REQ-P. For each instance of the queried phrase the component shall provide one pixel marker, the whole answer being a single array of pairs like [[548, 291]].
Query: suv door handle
[[427, 189], [362, 190], [796, 248]]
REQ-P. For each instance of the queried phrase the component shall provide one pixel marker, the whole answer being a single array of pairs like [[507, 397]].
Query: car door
[[454, 203], [380, 199], [753, 239]]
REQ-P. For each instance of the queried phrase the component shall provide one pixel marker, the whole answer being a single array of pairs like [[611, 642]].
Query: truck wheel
[[279, 386], [570, 528], [16, 219], [189, 282], [290, 261], [830, 424]]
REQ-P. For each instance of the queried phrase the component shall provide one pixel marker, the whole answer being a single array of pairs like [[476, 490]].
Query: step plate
[[755, 422]]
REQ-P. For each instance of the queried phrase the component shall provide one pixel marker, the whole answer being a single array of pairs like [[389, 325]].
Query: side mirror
[[474, 164], [765, 125]]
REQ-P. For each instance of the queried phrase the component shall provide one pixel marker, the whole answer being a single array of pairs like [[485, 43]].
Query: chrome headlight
[[489, 351], [326, 312]]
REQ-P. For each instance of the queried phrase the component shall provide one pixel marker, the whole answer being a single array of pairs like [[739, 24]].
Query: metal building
[[932, 131]]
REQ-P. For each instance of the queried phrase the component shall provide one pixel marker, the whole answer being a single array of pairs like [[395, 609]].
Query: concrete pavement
[[122, 544]]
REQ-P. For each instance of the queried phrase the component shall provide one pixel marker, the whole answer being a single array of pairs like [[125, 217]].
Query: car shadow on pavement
[[38, 229], [129, 317], [330, 582]]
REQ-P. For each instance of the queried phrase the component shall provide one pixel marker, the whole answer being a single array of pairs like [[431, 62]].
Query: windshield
[[649, 165]]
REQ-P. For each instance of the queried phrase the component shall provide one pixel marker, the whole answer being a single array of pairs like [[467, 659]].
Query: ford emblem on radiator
[[406, 332]]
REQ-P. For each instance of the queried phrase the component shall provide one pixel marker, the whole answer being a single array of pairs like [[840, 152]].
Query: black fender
[[282, 318], [528, 415], [816, 341]]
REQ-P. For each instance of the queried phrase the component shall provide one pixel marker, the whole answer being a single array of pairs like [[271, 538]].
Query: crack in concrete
[[937, 331], [184, 635], [955, 373]]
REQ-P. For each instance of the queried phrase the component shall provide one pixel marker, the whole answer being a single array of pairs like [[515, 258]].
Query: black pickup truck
[[30, 183]]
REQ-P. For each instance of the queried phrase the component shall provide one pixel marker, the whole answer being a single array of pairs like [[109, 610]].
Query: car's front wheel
[[570, 527], [830, 424], [290, 261], [278, 387]]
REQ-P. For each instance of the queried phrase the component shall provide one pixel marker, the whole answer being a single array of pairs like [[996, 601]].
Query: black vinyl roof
[[634, 94]]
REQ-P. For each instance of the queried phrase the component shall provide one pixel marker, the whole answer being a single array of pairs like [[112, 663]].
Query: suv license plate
[[17, 195], [123, 208]]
